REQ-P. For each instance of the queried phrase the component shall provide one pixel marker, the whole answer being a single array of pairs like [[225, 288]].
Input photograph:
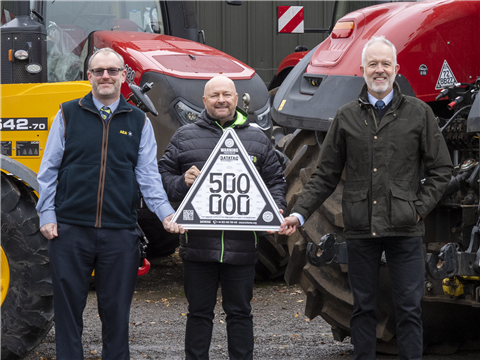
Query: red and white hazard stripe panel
[[290, 19], [7, 16]]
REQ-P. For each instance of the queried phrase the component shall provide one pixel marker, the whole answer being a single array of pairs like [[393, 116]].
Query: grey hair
[[383, 40], [105, 50]]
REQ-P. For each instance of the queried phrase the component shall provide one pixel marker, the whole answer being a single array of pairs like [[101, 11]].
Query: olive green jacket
[[385, 163]]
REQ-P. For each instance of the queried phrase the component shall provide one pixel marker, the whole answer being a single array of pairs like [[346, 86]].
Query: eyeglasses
[[111, 71]]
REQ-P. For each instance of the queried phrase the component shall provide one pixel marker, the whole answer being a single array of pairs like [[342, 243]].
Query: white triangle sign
[[446, 77], [229, 194]]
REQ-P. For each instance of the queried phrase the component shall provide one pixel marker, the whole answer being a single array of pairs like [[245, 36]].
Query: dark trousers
[[201, 280], [114, 254], [405, 261]]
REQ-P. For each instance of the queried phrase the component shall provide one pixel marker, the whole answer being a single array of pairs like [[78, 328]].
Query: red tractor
[[438, 47], [340, 9], [45, 49]]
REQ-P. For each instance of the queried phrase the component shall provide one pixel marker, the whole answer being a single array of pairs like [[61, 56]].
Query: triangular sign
[[446, 77], [229, 194]]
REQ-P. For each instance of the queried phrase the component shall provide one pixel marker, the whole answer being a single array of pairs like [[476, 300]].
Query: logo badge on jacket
[[129, 133]]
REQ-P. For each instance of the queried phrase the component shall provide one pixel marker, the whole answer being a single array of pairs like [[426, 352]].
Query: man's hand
[[289, 225], [273, 232], [191, 175], [171, 226], [49, 230]]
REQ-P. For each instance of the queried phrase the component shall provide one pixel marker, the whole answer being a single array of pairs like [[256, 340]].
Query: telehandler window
[[106, 15]]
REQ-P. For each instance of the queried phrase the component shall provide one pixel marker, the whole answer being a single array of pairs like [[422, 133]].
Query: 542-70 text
[[15, 124]]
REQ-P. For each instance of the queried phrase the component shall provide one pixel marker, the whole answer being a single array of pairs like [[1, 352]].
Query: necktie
[[380, 105], [105, 112]]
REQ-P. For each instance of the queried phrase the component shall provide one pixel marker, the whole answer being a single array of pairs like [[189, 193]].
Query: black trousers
[[74, 254], [201, 280], [405, 261]]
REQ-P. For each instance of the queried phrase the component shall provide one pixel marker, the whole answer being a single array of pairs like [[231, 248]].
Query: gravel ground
[[158, 316]]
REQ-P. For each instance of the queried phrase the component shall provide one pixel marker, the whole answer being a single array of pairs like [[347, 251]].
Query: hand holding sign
[[190, 175]]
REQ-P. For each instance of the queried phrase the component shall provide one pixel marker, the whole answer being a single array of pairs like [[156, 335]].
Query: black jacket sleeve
[[172, 175]]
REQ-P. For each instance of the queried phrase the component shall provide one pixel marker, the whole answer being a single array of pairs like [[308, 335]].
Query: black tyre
[[160, 241], [448, 327], [27, 312], [272, 258]]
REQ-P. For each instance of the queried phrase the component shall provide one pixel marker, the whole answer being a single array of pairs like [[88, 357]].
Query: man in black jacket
[[211, 257], [383, 140]]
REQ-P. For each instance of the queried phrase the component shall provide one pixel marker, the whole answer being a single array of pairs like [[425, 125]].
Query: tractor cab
[[53, 36]]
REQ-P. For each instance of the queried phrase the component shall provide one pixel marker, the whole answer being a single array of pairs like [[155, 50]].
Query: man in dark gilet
[[100, 152]]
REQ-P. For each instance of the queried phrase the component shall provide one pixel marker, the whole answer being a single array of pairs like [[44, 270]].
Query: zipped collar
[[206, 121], [239, 121]]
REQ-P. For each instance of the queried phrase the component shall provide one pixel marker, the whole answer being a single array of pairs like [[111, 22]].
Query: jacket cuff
[[183, 185], [422, 210]]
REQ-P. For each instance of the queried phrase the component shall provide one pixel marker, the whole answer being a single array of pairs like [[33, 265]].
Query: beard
[[379, 88], [108, 91]]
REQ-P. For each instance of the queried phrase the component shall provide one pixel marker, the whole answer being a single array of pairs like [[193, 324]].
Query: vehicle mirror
[[141, 99]]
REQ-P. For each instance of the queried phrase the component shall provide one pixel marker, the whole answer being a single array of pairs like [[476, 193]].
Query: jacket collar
[[206, 121], [87, 103], [396, 101]]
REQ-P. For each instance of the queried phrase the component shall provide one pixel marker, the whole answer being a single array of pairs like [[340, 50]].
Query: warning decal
[[229, 194], [446, 77], [290, 19]]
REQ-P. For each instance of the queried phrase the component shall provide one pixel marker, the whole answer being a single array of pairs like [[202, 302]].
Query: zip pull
[[366, 122]]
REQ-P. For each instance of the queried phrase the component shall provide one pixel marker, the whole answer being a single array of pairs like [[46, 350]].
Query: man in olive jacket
[[383, 141], [213, 257]]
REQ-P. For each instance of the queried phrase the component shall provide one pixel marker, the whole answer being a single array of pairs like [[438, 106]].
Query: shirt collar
[[373, 100], [99, 105]]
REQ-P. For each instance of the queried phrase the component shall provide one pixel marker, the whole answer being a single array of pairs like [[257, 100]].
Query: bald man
[[213, 257]]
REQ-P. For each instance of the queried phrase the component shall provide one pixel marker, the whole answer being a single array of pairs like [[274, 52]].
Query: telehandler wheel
[[27, 312], [448, 327]]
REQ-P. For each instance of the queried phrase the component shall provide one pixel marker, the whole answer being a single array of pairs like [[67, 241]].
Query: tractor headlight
[[186, 114], [21, 54], [263, 119]]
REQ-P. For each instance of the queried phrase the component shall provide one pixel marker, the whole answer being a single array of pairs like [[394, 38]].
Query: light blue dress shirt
[[148, 178], [372, 101]]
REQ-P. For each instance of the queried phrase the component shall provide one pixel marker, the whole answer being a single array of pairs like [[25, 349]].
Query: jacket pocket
[[402, 209], [355, 210]]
